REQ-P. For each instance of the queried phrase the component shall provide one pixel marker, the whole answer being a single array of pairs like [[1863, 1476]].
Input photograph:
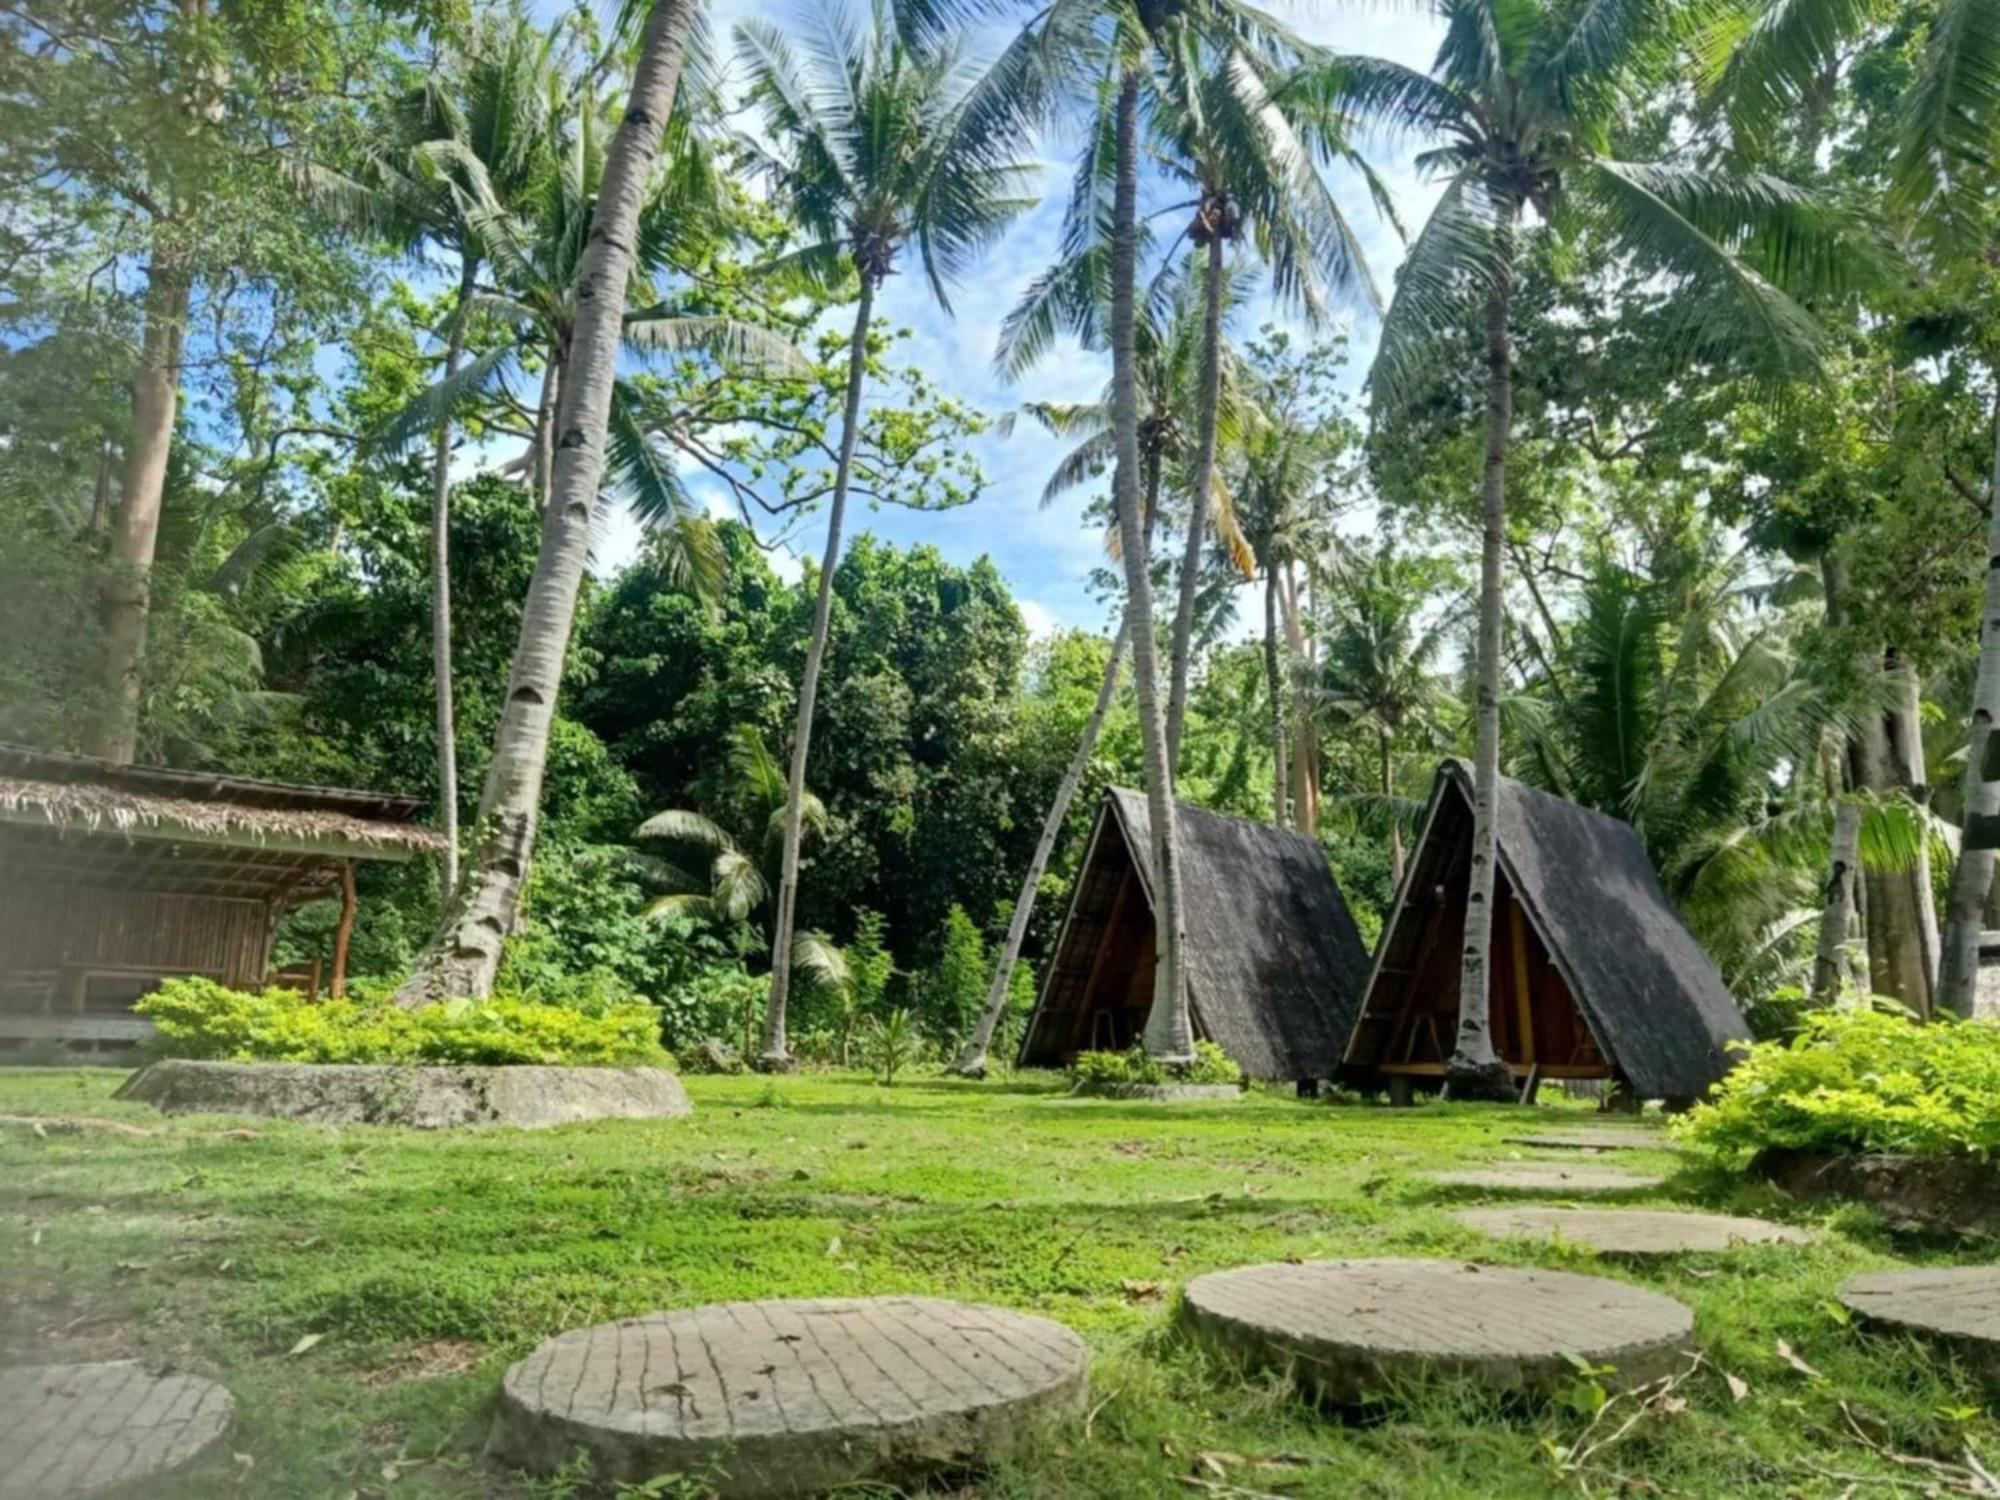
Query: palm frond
[[730, 342], [819, 963], [1655, 214], [685, 826], [1445, 277], [440, 402]]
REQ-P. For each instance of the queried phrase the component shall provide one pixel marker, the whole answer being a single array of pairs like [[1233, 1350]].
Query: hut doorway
[[1101, 987], [1410, 1024]]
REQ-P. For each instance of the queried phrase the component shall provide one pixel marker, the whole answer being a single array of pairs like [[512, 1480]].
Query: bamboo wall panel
[[64, 931]]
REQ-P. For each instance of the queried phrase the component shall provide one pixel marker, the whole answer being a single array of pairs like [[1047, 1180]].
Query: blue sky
[[1047, 555]]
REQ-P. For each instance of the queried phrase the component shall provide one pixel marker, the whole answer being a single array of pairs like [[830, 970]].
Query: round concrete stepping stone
[[1351, 1329], [1596, 1140], [1543, 1177], [790, 1398], [1957, 1305], [82, 1429], [1630, 1231]]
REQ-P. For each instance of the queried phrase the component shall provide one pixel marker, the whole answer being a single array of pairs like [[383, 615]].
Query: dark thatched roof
[[1649, 993], [1276, 966], [74, 817]]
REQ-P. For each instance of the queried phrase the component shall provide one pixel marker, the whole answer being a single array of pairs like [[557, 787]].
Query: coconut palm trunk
[[1169, 1031], [541, 462], [1198, 498], [776, 1055], [465, 952], [1386, 779], [1972, 877], [1305, 749], [1475, 1070], [135, 530], [972, 1058], [1274, 682], [1836, 915], [447, 719]]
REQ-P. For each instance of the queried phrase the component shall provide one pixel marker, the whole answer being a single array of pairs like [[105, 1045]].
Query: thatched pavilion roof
[[74, 817]]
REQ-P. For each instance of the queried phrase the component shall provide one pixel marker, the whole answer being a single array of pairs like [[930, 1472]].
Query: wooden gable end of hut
[[1593, 972], [114, 878], [1275, 962]]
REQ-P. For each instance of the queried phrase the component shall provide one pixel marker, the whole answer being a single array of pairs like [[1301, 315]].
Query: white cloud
[[1038, 617]]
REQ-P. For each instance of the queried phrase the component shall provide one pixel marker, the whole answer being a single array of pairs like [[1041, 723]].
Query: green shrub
[[1211, 1065], [1859, 1081], [198, 1018]]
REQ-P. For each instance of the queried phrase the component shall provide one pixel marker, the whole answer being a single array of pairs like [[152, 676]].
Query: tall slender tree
[[878, 144], [1232, 127], [1523, 104], [1939, 179], [464, 954], [1380, 669], [466, 142]]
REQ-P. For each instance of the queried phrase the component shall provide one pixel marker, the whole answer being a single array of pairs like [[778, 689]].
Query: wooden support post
[[344, 932], [1523, 1000]]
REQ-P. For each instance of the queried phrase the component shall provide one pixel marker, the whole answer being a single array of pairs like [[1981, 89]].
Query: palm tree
[[1234, 130], [1380, 669], [1707, 737], [465, 952], [972, 1057], [465, 142], [1170, 355], [534, 249], [877, 145], [735, 889], [1281, 491], [1523, 105], [1937, 178]]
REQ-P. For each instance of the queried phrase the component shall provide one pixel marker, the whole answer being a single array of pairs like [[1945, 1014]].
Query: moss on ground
[[361, 1290]]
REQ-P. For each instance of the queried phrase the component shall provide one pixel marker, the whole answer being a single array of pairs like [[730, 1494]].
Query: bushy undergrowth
[[1211, 1065], [1859, 1081], [200, 1019]]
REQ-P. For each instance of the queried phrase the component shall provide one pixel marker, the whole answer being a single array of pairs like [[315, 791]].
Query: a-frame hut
[[1594, 975], [115, 877], [1275, 963]]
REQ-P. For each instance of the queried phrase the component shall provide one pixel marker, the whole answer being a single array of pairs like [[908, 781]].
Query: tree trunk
[[1305, 751], [1902, 933], [1198, 503], [1972, 884], [1836, 916], [776, 1055], [1388, 783], [1274, 680], [464, 954], [135, 532], [447, 721], [1475, 1070], [971, 1060], [1169, 1032], [541, 462]]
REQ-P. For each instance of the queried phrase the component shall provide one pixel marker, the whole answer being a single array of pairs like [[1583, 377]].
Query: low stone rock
[[1160, 1093], [423, 1098], [1923, 1194]]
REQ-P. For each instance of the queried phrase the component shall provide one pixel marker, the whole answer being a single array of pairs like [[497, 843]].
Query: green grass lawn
[[361, 1290]]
